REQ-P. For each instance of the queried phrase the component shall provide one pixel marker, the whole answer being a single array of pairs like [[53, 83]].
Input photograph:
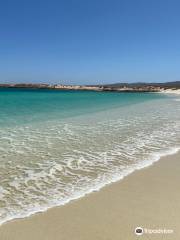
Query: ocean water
[[56, 146]]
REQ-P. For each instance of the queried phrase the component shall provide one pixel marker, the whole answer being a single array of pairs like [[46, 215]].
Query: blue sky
[[87, 42]]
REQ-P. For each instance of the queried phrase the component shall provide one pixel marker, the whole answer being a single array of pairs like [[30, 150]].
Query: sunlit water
[[56, 146]]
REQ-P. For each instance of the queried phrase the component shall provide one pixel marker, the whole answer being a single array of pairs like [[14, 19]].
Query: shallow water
[[56, 146]]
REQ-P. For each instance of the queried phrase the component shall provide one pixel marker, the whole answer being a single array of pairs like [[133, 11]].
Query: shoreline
[[124, 88], [55, 212], [140, 166], [171, 91]]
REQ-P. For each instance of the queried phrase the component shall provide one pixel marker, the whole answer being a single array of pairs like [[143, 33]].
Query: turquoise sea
[[56, 146]]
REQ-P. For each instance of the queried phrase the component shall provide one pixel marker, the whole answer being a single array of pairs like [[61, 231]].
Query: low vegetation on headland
[[117, 87]]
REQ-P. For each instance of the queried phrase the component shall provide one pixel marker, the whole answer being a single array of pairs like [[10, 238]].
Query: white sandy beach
[[148, 198], [171, 91]]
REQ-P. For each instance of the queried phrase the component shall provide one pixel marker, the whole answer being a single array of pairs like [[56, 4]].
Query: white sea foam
[[50, 165], [100, 184]]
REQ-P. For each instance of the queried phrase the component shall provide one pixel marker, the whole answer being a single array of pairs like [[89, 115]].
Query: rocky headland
[[169, 87]]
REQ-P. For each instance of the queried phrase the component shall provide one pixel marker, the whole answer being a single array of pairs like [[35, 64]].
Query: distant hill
[[175, 84]]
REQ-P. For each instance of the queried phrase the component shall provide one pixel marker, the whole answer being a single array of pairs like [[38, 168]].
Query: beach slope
[[148, 198]]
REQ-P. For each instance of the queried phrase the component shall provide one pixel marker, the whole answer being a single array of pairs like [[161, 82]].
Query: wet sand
[[149, 197]]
